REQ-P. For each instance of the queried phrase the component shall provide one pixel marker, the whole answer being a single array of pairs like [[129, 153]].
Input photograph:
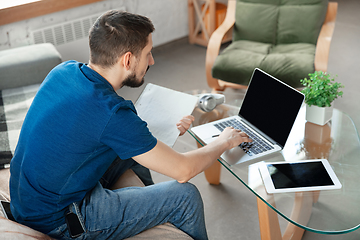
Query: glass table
[[325, 212]]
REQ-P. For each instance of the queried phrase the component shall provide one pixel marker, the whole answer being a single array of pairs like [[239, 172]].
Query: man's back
[[65, 145]]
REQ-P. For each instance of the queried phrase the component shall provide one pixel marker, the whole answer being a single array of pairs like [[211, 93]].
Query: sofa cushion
[[14, 231], [27, 65]]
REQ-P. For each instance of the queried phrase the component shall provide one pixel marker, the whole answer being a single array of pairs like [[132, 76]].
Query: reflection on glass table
[[325, 212]]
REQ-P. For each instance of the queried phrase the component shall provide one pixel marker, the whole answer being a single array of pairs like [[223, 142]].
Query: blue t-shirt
[[76, 126]]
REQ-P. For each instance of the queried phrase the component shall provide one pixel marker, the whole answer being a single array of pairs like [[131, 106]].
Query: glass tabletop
[[331, 211]]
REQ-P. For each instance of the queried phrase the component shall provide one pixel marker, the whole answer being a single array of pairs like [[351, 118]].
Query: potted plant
[[320, 91]]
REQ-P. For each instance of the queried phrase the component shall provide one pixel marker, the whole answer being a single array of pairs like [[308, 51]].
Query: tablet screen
[[304, 175], [292, 175]]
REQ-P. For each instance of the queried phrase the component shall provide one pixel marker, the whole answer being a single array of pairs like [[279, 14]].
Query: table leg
[[316, 195], [301, 213], [212, 174], [269, 222]]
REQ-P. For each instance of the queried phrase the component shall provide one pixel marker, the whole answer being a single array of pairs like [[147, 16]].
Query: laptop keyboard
[[257, 146]]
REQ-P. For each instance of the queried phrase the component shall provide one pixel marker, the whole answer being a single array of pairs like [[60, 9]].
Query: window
[[17, 10]]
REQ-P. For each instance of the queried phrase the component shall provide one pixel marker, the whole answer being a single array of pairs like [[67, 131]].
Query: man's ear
[[126, 60]]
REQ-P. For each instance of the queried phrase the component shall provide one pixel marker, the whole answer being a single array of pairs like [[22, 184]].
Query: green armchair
[[286, 38]]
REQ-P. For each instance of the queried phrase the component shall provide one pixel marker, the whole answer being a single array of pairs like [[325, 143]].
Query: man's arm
[[184, 166]]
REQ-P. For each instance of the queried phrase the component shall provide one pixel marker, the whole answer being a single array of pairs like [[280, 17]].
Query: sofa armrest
[[27, 65]]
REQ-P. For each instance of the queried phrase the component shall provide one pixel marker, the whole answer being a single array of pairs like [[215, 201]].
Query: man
[[79, 136]]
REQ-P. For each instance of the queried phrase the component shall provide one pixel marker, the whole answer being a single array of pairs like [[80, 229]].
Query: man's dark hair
[[116, 33]]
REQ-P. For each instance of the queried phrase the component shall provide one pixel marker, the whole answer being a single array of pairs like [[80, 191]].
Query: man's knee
[[189, 213], [191, 189], [188, 191]]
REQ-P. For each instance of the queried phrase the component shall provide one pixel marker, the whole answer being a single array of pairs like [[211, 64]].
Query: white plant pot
[[318, 115]]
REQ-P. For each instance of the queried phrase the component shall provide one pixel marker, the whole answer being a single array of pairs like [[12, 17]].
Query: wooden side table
[[202, 16]]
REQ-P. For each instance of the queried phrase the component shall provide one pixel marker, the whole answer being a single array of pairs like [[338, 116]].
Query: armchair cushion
[[300, 21], [288, 62], [255, 22], [277, 36], [237, 61]]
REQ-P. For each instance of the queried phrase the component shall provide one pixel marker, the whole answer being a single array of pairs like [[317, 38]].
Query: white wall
[[168, 16]]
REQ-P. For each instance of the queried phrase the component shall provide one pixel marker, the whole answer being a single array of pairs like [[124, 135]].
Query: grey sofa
[[21, 72]]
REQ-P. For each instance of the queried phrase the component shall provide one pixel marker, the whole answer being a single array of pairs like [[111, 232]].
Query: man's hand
[[184, 124], [234, 137]]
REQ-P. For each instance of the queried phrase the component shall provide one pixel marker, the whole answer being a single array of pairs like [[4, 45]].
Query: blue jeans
[[125, 212]]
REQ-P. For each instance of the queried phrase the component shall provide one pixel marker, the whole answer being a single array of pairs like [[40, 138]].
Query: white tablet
[[298, 176]]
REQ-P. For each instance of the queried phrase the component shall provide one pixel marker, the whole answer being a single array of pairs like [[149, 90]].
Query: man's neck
[[111, 74]]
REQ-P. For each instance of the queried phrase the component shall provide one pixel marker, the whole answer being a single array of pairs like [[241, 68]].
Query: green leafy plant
[[320, 89]]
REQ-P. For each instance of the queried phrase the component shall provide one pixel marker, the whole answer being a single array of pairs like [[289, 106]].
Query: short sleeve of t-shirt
[[127, 134]]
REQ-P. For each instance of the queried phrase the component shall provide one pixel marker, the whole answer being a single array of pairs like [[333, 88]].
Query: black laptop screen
[[271, 106]]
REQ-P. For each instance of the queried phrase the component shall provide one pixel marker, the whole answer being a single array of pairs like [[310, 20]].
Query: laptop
[[267, 114]]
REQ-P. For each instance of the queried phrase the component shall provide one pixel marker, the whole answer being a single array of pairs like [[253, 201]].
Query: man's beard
[[133, 82]]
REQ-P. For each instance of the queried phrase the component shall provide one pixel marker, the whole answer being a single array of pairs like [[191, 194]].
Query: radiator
[[70, 38]]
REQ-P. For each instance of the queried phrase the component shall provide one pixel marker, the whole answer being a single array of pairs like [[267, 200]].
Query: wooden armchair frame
[[213, 48]]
